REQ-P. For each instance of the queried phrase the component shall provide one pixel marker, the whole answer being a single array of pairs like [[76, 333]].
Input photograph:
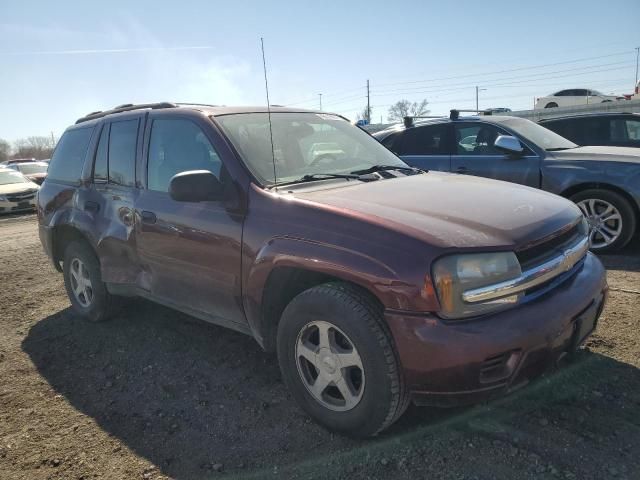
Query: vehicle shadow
[[627, 259], [187, 395]]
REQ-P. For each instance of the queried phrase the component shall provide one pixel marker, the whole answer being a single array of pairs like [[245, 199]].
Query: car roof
[[590, 115], [435, 121], [37, 162], [210, 110]]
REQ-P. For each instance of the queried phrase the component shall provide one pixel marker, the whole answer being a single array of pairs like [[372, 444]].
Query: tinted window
[[429, 140], [178, 146], [593, 131], [100, 172], [68, 158], [122, 152], [581, 93]]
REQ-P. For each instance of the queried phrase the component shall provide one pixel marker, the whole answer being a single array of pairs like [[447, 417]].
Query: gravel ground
[[156, 394]]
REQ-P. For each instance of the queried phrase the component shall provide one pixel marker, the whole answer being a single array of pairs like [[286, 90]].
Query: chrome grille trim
[[533, 277]]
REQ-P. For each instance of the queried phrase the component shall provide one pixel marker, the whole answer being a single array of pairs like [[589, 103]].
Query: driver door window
[[477, 139], [178, 145]]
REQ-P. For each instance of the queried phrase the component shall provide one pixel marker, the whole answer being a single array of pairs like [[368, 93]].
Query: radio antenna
[[266, 87]]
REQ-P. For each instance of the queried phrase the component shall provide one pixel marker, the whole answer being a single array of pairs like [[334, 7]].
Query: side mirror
[[195, 186], [508, 144]]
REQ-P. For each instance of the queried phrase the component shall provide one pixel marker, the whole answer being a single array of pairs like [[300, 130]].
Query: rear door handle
[[148, 217], [90, 206]]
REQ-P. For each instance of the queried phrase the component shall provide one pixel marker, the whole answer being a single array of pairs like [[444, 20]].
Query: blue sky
[[62, 59]]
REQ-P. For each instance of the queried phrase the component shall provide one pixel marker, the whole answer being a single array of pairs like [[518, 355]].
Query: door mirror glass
[[508, 144], [195, 186]]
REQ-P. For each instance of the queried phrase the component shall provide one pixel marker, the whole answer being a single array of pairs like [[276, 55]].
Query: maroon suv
[[376, 283]]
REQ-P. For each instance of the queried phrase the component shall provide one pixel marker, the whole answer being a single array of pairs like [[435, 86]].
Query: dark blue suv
[[603, 181]]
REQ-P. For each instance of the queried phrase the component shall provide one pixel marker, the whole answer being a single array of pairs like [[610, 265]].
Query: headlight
[[3, 198], [455, 274]]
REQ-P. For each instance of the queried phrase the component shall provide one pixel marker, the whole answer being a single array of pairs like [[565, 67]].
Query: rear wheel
[[83, 281], [612, 221], [338, 360], [551, 105]]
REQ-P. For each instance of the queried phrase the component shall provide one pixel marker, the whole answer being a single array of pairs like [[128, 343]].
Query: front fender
[[379, 278]]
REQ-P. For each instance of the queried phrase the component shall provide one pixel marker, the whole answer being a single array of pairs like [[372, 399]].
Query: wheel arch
[[62, 236], [285, 267], [574, 189], [283, 284]]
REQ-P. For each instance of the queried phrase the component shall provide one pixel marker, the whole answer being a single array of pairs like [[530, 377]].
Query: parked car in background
[[493, 111], [571, 97], [34, 171], [17, 160], [603, 181], [617, 129], [376, 283], [17, 192]]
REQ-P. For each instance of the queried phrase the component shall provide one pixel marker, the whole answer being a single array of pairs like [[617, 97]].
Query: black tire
[[551, 105], [102, 305], [623, 206], [385, 396]]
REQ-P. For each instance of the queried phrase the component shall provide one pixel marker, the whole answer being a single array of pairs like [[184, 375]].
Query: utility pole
[[53, 140], [368, 105], [637, 56], [320, 95], [477, 91]]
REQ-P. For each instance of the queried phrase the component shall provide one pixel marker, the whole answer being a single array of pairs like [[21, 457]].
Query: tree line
[[30, 147], [399, 110]]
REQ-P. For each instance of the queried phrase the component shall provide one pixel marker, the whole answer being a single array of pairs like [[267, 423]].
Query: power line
[[510, 69], [528, 78]]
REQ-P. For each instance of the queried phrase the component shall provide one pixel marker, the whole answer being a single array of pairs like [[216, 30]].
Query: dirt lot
[[156, 394]]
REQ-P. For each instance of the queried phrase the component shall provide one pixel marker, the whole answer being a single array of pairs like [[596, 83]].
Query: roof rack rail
[[125, 108], [453, 115], [408, 120]]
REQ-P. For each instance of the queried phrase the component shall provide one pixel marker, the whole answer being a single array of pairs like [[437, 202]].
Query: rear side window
[[68, 159], [429, 140], [122, 152]]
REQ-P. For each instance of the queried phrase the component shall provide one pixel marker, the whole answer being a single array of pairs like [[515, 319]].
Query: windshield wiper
[[381, 168], [558, 149], [311, 177]]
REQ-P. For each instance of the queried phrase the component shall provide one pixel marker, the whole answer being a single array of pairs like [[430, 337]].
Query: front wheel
[[338, 360], [551, 105], [612, 221]]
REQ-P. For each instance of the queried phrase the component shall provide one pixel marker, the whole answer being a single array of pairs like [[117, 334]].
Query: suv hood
[[600, 154], [448, 210]]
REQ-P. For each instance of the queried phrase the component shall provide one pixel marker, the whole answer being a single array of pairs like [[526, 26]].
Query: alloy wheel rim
[[604, 219], [81, 283], [330, 366]]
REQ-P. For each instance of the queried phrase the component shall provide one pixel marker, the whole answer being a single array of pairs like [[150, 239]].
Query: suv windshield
[[537, 134], [11, 177], [303, 144], [31, 168]]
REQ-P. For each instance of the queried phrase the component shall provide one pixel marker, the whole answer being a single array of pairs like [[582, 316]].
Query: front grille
[[538, 253], [22, 196]]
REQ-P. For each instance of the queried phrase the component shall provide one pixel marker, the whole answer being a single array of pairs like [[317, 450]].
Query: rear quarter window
[[68, 158]]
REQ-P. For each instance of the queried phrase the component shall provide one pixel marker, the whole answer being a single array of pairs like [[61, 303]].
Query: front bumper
[[7, 206], [460, 362]]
